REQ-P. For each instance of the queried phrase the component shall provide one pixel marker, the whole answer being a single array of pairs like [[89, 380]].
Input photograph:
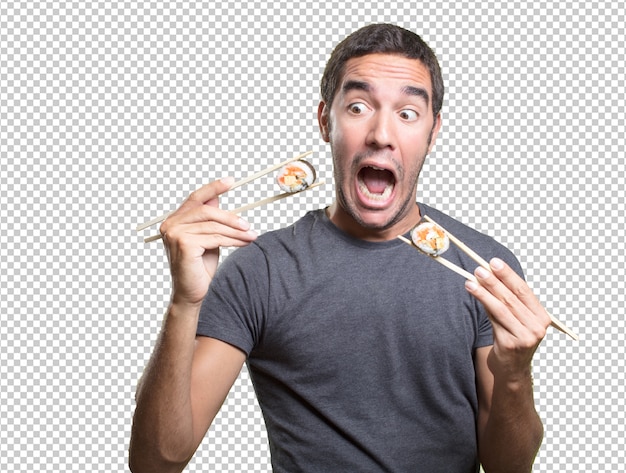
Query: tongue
[[376, 180]]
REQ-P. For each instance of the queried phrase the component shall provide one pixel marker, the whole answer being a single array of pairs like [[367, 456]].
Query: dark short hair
[[387, 39]]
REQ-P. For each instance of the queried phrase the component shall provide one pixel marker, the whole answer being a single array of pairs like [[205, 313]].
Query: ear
[[434, 132], [322, 120]]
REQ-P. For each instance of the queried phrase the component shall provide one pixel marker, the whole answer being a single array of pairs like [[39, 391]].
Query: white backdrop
[[112, 112]]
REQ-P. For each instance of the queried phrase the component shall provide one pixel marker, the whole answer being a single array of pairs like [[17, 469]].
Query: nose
[[381, 133]]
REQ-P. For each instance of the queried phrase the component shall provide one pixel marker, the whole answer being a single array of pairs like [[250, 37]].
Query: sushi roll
[[296, 176], [430, 238]]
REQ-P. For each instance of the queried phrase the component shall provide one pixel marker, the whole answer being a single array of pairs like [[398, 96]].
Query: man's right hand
[[192, 236], [187, 377]]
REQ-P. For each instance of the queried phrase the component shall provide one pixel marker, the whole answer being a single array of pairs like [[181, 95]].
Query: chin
[[370, 218], [376, 219]]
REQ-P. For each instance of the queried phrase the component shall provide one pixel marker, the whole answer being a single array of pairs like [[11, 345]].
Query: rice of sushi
[[430, 238], [296, 176]]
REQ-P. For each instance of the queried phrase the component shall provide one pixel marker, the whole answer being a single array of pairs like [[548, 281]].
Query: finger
[[207, 194], [230, 227], [500, 291], [211, 190], [506, 309], [204, 213], [213, 228], [519, 287], [209, 241], [499, 313]]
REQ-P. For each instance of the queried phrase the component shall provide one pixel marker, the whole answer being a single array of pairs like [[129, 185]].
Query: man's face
[[380, 128]]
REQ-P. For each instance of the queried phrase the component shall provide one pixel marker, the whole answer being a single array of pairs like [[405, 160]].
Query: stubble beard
[[341, 179]]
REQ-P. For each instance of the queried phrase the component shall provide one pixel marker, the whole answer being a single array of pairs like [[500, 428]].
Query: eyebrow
[[356, 85], [407, 89], [417, 92]]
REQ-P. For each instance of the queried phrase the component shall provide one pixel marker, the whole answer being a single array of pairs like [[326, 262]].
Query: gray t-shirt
[[361, 353]]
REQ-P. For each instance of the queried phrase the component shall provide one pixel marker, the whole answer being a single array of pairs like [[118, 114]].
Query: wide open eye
[[357, 108], [408, 115]]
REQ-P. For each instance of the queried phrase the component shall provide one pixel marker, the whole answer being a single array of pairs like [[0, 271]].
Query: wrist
[[183, 305], [515, 382]]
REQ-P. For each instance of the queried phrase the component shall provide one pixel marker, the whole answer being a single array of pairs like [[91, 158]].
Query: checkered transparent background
[[111, 112]]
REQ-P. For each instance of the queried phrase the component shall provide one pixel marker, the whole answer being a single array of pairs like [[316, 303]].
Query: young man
[[365, 355]]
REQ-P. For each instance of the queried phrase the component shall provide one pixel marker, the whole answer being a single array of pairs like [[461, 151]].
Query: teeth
[[366, 192]]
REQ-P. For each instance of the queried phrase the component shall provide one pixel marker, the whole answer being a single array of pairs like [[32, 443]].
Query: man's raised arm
[[187, 378]]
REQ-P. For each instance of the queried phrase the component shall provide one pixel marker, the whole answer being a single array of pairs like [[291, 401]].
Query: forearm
[[512, 433], [162, 438]]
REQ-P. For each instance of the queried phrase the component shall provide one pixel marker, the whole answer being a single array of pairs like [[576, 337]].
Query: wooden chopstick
[[251, 206], [448, 264], [268, 170], [153, 221], [234, 186], [466, 249], [274, 198], [556, 323]]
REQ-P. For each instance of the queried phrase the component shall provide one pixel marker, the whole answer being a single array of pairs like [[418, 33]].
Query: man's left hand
[[519, 320]]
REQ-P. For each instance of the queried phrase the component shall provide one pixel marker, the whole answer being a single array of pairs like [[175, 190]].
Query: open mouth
[[376, 183]]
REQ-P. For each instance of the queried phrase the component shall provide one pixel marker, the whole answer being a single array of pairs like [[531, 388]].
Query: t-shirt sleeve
[[234, 307], [485, 330]]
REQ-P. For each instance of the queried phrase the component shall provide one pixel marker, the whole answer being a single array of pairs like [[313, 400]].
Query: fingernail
[[471, 285], [253, 233], [496, 263], [243, 224], [482, 273], [228, 180]]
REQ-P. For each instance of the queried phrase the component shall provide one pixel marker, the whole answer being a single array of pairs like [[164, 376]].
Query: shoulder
[[481, 243], [280, 243], [305, 225]]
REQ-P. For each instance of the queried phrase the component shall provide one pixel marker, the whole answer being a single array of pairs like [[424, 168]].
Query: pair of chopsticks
[[476, 257], [234, 186]]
